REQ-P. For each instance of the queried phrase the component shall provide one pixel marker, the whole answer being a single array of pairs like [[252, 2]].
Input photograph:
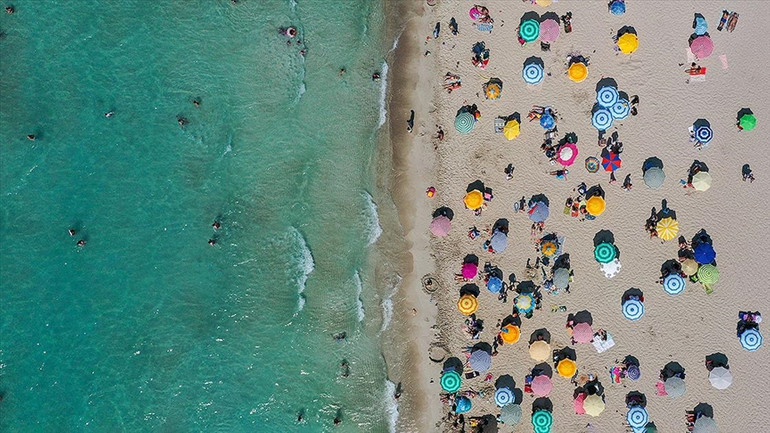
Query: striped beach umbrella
[[464, 122], [529, 30], [607, 96], [611, 161], [542, 420], [602, 119], [633, 372], [751, 339], [708, 274], [637, 417], [468, 304], [633, 309], [451, 381], [673, 284], [667, 228], [525, 302], [532, 73], [504, 396], [605, 252], [511, 414], [704, 134], [621, 109]]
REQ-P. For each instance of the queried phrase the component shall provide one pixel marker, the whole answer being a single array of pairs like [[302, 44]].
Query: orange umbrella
[[510, 334]]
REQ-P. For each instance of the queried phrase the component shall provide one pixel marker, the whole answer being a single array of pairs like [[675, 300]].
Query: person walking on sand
[[410, 122], [747, 173]]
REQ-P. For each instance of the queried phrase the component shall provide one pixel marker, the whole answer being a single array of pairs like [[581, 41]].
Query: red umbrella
[[542, 385], [579, 403], [440, 226], [611, 161], [582, 333], [469, 270], [702, 46]]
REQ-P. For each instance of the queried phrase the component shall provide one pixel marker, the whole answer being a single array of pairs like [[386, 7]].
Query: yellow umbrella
[[468, 304], [566, 368], [540, 350], [548, 248], [667, 228], [577, 72], [690, 267], [593, 405], [595, 205], [544, 3], [492, 91], [628, 43], [474, 199], [511, 129], [510, 334], [701, 181]]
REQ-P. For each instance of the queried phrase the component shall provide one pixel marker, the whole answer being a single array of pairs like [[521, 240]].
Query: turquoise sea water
[[147, 327]]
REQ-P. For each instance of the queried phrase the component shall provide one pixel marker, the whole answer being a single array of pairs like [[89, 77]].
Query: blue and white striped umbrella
[[607, 96], [637, 417], [704, 134], [633, 309], [532, 73], [673, 284], [620, 109], [602, 119], [751, 339], [504, 396]]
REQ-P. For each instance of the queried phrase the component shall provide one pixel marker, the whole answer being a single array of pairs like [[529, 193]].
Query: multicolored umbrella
[[494, 284], [720, 378], [510, 334], [480, 361], [701, 181], [621, 109], [510, 414], [605, 252], [704, 133], [582, 333], [675, 387], [592, 164], [593, 405], [542, 420], [751, 339], [548, 248], [512, 129], [473, 199], [451, 381], [637, 417], [462, 404], [532, 73], [747, 122], [540, 350], [525, 302], [654, 177], [628, 43], [633, 309], [673, 284], [504, 396], [547, 121], [667, 228], [595, 205], [492, 90], [704, 254], [469, 270], [702, 47], [602, 119], [607, 96], [541, 385], [464, 122], [618, 7], [566, 154], [468, 304], [549, 30], [529, 30], [611, 161], [440, 226], [566, 368], [577, 72]]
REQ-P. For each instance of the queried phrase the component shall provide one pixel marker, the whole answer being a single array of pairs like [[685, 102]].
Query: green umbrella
[[451, 381], [605, 252], [748, 122], [542, 420], [464, 122], [529, 30], [708, 274]]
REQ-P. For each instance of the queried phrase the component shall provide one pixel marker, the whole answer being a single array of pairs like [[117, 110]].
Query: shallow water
[[147, 327]]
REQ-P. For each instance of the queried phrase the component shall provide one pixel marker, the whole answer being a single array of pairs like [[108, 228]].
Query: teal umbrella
[[451, 381], [529, 30], [605, 252], [542, 420], [464, 122]]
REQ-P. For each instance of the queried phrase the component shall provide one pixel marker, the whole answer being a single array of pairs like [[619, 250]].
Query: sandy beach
[[683, 328]]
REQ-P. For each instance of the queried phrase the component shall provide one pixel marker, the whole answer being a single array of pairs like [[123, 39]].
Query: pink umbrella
[[702, 46], [549, 30], [469, 270], [567, 154], [579, 403], [542, 385], [440, 226], [582, 333], [474, 13]]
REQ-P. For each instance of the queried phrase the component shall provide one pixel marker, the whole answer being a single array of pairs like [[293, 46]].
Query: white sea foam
[[383, 94], [304, 261], [301, 90], [293, 4], [391, 405], [395, 43], [387, 304], [373, 228]]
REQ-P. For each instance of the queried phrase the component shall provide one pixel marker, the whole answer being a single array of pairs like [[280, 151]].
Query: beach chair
[[499, 125]]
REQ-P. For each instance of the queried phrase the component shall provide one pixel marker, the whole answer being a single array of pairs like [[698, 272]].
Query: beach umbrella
[[595, 205], [566, 368], [607, 96], [532, 73], [705, 424], [512, 129], [674, 387], [633, 372], [540, 350], [440, 226], [701, 181], [673, 284], [539, 212], [499, 242], [654, 177], [494, 284], [543, 3], [628, 43], [702, 46], [720, 378], [577, 72], [504, 396], [593, 405], [451, 381], [618, 7], [605, 252], [708, 274], [462, 404], [748, 122], [468, 304], [751, 339], [561, 278], [689, 267], [510, 414], [510, 334], [547, 121], [667, 228], [567, 154], [473, 199], [578, 403], [469, 270], [582, 333], [592, 164], [701, 26], [611, 269], [541, 385], [464, 122], [602, 119], [704, 254], [704, 133], [529, 30], [524, 302], [492, 90], [637, 417], [621, 109], [542, 420], [548, 248], [549, 30], [633, 309], [480, 361], [611, 161]]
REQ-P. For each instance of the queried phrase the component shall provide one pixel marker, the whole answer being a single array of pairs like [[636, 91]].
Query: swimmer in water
[[81, 243], [10, 10], [181, 121], [216, 225], [197, 102], [109, 114], [31, 137], [342, 72], [212, 242], [71, 232]]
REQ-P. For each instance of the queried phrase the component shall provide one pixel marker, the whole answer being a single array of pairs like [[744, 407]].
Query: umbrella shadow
[[561, 262], [636, 398], [702, 237], [542, 369], [542, 403], [672, 369], [701, 123], [594, 387], [606, 82], [705, 409], [564, 353], [695, 36], [550, 16], [475, 185], [470, 289], [471, 258], [444, 211], [540, 334], [531, 15], [501, 225], [526, 287], [604, 236], [697, 166], [539, 198], [583, 316], [631, 360], [670, 266], [595, 190], [497, 81], [651, 162], [489, 422], [453, 364], [486, 347], [511, 320], [718, 359], [596, 108], [631, 292], [495, 272], [464, 109], [626, 29], [623, 96], [505, 381], [514, 116], [742, 112], [534, 60]]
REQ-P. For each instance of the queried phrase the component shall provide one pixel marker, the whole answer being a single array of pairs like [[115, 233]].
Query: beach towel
[[723, 59], [484, 27]]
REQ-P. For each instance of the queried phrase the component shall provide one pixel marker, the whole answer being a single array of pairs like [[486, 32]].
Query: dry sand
[[684, 328]]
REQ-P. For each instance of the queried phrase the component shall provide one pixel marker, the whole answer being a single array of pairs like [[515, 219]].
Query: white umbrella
[[720, 378], [705, 424]]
